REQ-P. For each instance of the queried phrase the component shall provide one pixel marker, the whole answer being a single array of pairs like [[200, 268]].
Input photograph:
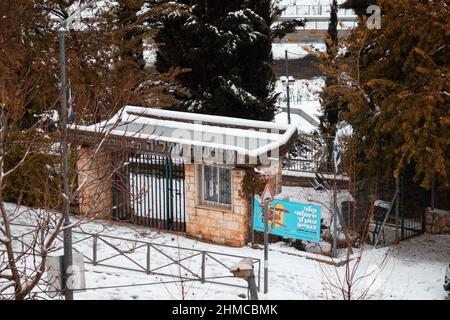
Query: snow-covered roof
[[185, 135]]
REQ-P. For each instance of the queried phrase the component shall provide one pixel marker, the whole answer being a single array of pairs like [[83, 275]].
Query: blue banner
[[289, 219]]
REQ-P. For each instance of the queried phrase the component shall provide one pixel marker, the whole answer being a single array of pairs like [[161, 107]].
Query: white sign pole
[[267, 197], [266, 247]]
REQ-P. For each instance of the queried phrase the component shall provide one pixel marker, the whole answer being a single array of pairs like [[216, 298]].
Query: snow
[[312, 175], [253, 138], [402, 276], [296, 120], [149, 54], [3, 239], [296, 50], [323, 198], [304, 95]]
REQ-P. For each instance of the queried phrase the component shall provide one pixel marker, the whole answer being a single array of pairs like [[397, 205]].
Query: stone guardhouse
[[177, 171]]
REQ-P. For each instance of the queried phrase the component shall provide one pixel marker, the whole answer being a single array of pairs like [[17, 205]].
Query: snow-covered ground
[[304, 95], [295, 50], [414, 269]]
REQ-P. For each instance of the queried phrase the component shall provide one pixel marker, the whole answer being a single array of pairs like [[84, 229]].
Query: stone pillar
[[437, 221], [190, 195], [96, 172]]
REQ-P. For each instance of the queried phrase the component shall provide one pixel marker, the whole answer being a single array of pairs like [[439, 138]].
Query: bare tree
[[356, 277]]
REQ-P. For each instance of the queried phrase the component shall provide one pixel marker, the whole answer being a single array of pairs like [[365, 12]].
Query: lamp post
[[67, 264], [287, 88]]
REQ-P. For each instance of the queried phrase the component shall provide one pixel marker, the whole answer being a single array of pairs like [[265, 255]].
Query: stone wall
[[437, 221], [96, 196], [227, 226]]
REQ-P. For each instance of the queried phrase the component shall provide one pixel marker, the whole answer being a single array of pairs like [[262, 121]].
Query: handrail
[[158, 247]]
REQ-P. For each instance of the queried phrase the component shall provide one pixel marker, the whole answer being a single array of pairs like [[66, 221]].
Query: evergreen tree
[[359, 6], [131, 50], [394, 90], [330, 110], [225, 49]]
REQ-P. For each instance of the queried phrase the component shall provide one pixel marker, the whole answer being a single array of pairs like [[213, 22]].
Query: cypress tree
[[330, 109]]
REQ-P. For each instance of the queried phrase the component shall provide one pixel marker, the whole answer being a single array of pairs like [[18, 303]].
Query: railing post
[[259, 275], [203, 266], [148, 258], [94, 250]]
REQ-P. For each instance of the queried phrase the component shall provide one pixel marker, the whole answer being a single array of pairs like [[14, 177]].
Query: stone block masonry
[[437, 221], [95, 170], [227, 225]]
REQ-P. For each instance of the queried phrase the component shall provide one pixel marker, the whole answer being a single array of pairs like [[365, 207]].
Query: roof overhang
[[196, 138]]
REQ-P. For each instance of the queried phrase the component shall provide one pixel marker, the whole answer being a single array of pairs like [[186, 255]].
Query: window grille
[[217, 186]]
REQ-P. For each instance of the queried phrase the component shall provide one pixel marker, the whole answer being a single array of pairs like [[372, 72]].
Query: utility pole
[[67, 261], [287, 88]]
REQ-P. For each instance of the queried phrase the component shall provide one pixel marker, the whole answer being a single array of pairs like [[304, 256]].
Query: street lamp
[[287, 88], [68, 292]]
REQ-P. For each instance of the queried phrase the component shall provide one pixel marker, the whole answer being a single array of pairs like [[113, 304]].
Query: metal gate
[[148, 190]]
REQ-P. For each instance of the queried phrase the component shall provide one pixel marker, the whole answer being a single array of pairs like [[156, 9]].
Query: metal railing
[[122, 253], [318, 16], [295, 10], [310, 153]]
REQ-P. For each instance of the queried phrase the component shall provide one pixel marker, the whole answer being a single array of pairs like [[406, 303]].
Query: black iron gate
[[148, 190]]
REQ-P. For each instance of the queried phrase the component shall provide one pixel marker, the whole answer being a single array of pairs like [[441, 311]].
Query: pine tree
[[225, 48]]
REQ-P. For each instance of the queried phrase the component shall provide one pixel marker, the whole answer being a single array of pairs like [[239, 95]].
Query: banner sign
[[289, 219]]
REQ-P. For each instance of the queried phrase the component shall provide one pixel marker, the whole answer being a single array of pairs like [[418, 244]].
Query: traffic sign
[[267, 195]]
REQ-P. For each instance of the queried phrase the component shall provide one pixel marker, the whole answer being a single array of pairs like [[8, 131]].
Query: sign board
[[267, 195], [54, 268], [289, 219]]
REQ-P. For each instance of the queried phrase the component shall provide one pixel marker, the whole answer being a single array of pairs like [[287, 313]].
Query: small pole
[[266, 247], [335, 216], [203, 266], [397, 208], [252, 286], [94, 250], [433, 191], [335, 208], [252, 220], [287, 89], [148, 259]]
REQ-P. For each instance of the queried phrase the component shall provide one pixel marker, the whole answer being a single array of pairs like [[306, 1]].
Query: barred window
[[217, 186]]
